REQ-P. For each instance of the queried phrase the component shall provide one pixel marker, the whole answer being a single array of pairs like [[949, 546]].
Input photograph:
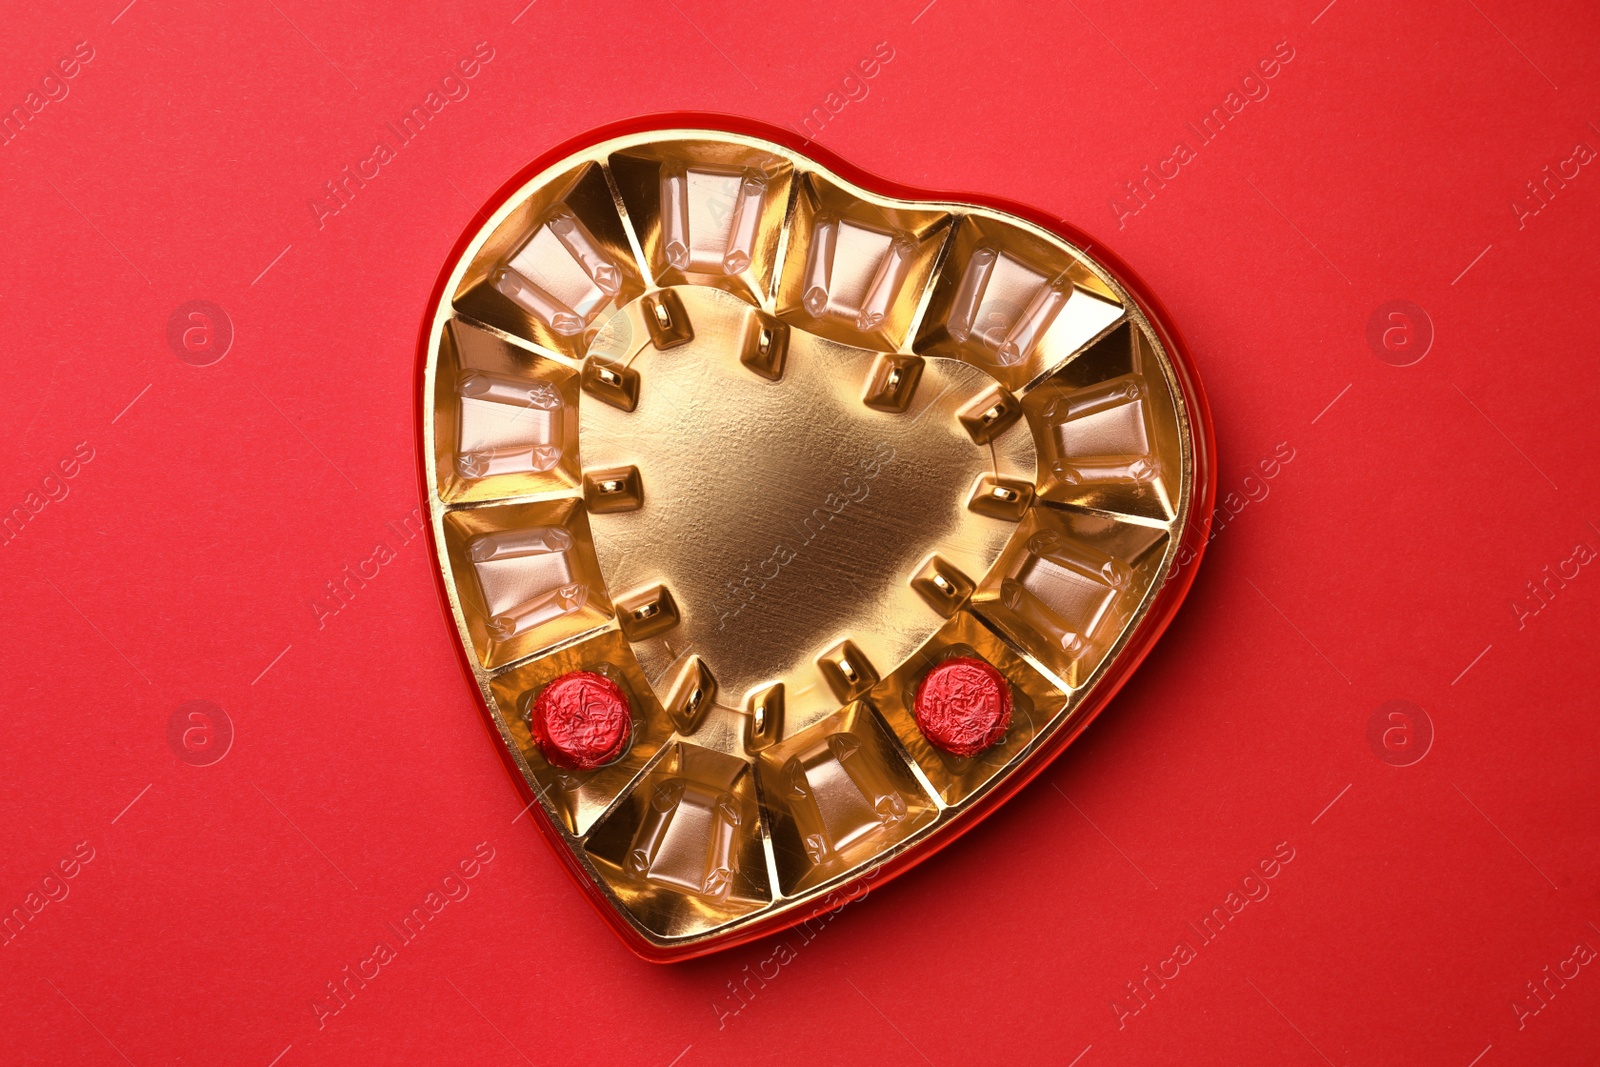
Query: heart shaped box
[[835, 434]]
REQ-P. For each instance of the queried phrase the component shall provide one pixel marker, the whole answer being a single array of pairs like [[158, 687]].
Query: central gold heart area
[[786, 517]]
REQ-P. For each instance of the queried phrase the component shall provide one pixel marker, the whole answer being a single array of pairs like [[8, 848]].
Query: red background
[[1381, 565]]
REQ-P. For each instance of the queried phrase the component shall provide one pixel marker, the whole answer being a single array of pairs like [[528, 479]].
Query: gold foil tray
[[762, 447]]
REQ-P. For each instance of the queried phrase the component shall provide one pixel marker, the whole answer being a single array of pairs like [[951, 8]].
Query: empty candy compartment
[[581, 797], [1013, 302], [1069, 585], [854, 271], [559, 274], [505, 418], [683, 850], [838, 794], [707, 213], [556, 267], [508, 425], [1107, 429], [1036, 701], [526, 577]]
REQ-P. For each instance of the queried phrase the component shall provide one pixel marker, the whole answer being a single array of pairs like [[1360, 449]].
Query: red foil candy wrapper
[[582, 721], [963, 706]]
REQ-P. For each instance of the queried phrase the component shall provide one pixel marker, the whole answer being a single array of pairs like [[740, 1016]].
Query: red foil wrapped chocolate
[[963, 706], [582, 721]]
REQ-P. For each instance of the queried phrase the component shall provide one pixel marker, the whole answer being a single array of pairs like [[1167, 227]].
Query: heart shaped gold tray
[[761, 447]]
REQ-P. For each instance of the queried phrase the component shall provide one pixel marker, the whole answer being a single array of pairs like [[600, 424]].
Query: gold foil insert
[[765, 448]]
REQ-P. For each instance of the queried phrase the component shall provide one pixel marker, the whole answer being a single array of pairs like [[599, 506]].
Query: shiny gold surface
[[787, 515], [764, 447]]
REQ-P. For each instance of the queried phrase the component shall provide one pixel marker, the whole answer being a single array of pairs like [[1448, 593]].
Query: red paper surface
[[1386, 559]]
